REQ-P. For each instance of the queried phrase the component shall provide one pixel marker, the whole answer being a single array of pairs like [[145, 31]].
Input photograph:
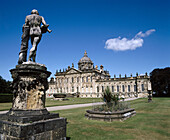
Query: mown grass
[[71, 101], [152, 122], [50, 102]]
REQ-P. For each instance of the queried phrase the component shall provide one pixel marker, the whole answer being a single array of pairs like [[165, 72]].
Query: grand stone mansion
[[89, 81]]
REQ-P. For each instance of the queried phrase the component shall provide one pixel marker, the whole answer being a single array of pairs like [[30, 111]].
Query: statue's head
[[34, 11]]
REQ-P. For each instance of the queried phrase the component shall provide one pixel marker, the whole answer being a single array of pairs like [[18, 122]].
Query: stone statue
[[33, 30]]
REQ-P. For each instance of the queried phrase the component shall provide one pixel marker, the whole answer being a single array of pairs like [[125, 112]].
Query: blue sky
[[80, 25]]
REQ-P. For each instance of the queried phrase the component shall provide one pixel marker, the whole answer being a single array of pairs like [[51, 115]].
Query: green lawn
[[71, 101], [152, 122], [49, 102]]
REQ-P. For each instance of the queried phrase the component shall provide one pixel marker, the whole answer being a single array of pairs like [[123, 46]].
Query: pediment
[[73, 71]]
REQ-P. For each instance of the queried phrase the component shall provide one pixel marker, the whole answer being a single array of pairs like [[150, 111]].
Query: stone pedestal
[[110, 116], [28, 118]]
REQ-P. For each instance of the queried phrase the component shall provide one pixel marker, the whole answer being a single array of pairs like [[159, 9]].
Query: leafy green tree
[[160, 80], [5, 86]]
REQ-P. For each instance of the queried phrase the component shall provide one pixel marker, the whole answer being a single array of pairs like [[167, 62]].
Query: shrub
[[112, 102], [5, 98], [109, 97]]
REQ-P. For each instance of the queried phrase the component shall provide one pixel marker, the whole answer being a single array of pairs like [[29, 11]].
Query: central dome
[[85, 58], [85, 63]]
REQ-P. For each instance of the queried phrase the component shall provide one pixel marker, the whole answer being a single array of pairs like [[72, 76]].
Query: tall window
[[142, 87], [77, 89], [67, 89], [91, 78], [67, 80], [72, 79], [102, 88], [112, 88], [117, 88], [82, 79], [97, 88], [91, 89], [123, 88], [128, 88], [77, 79], [87, 89], [134, 87], [72, 89], [86, 79]]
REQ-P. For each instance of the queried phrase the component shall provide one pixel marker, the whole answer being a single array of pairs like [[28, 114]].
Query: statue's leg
[[32, 49], [23, 50], [34, 41]]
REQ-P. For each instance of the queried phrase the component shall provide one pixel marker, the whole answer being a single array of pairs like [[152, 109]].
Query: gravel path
[[53, 108]]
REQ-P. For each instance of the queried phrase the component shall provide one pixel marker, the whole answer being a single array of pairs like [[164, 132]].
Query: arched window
[[87, 79], [128, 88], [135, 88], [142, 87], [112, 88], [91, 89], [97, 88], [72, 79], [117, 88], [123, 88], [102, 88], [72, 89], [87, 90]]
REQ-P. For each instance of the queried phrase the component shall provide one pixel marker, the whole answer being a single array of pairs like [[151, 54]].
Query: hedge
[[5, 98]]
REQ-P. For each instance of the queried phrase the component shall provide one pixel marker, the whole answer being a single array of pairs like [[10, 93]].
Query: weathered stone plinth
[[110, 116], [28, 118]]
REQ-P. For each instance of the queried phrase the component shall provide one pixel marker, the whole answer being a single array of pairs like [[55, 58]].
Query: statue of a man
[[32, 29]]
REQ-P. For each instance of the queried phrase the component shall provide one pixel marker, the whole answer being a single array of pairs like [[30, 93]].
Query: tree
[[160, 80], [5, 86]]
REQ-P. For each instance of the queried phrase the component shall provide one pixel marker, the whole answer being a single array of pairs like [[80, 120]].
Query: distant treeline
[[160, 80], [5, 86]]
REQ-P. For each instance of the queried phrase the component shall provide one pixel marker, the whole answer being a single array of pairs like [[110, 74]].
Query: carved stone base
[[28, 119], [29, 86]]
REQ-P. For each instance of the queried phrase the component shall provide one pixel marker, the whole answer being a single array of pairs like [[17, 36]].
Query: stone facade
[[89, 81]]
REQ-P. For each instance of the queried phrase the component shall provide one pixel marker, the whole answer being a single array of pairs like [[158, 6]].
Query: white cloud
[[123, 44], [147, 33]]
